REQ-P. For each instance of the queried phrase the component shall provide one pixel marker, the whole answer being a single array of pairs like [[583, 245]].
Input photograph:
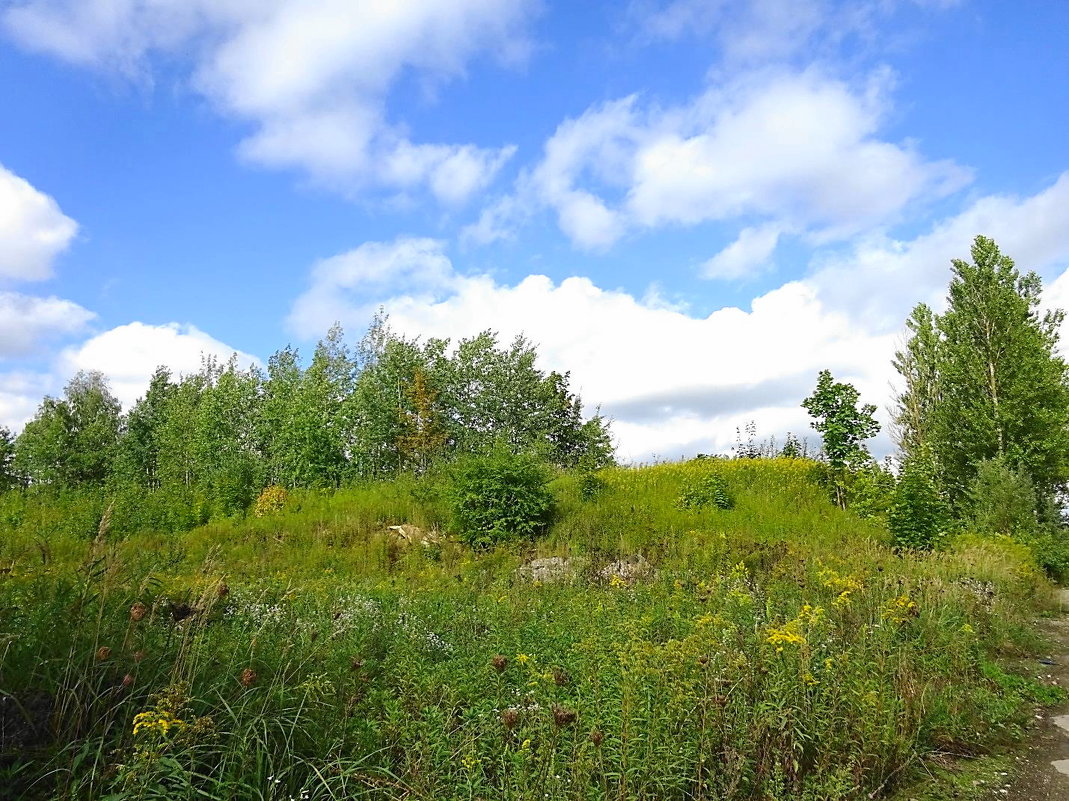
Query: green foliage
[[499, 497], [843, 427], [984, 381], [73, 441], [919, 516], [708, 490], [308, 655], [9, 475], [870, 490], [1003, 501]]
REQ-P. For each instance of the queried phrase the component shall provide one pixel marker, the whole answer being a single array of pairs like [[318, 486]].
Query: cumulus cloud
[[25, 321], [20, 394], [33, 230], [129, 354], [879, 279], [675, 383], [798, 149], [346, 288], [312, 77]]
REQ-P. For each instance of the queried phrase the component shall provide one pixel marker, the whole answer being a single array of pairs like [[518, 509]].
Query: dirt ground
[[1044, 764]]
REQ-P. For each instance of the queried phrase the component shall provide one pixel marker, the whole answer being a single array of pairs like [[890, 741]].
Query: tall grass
[[778, 649]]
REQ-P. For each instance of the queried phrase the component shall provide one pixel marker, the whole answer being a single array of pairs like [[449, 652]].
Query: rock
[[628, 570], [548, 569], [414, 535]]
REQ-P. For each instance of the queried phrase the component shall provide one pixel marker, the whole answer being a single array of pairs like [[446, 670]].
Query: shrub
[[499, 497], [710, 489]]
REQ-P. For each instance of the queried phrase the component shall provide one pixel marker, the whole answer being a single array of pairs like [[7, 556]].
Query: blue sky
[[693, 205]]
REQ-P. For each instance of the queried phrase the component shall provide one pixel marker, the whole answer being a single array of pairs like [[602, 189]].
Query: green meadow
[[714, 629]]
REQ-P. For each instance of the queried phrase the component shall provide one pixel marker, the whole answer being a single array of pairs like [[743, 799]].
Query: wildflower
[[138, 611], [470, 761], [500, 662], [160, 721], [248, 677], [967, 629], [842, 600], [510, 717], [103, 652], [523, 659], [900, 609], [784, 635]]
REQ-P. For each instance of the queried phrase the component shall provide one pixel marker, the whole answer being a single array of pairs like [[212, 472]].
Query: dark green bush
[[499, 497]]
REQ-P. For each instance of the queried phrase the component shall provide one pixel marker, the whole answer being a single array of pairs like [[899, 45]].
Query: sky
[[693, 206]]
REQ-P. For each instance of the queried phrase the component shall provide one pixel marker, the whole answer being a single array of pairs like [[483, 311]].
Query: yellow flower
[[523, 659], [161, 721], [900, 609]]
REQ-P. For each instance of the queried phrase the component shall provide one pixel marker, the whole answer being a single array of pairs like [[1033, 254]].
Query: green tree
[[842, 425], [73, 441], [9, 475], [983, 380], [139, 449], [919, 515], [918, 364]]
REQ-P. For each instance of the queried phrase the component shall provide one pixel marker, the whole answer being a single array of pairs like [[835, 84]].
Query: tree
[[9, 476], [983, 380], [842, 425], [919, 515], [73, 442], [918, 365], [139, 450]]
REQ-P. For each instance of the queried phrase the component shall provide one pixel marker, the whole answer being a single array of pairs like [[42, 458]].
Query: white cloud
[[20, 395], [879, 279], [346, 288], [745, 32], [33, 230], [129, 354], [313, 76], [26, 320], [800, 150], [674, 382], [750, 253]]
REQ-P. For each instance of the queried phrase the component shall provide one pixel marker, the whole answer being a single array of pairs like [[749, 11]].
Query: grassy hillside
[[777, 649]]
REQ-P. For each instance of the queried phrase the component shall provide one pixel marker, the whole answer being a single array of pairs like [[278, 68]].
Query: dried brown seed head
[[597, 737], [127, 680], [103, 652], [138, 611], [509, 718], [248, 677], [500, 662], [562, 716]]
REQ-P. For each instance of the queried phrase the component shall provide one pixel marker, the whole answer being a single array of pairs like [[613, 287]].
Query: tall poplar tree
[[986, 382]]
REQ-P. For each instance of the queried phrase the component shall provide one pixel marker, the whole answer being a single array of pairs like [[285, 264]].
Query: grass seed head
[[138, 612], [103, 653], [248, 677]]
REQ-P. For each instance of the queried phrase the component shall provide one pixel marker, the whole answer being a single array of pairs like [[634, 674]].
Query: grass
[[779, 649]]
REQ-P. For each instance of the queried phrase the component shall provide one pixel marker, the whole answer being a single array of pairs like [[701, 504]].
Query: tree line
[[981, 421], [203, 445]]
